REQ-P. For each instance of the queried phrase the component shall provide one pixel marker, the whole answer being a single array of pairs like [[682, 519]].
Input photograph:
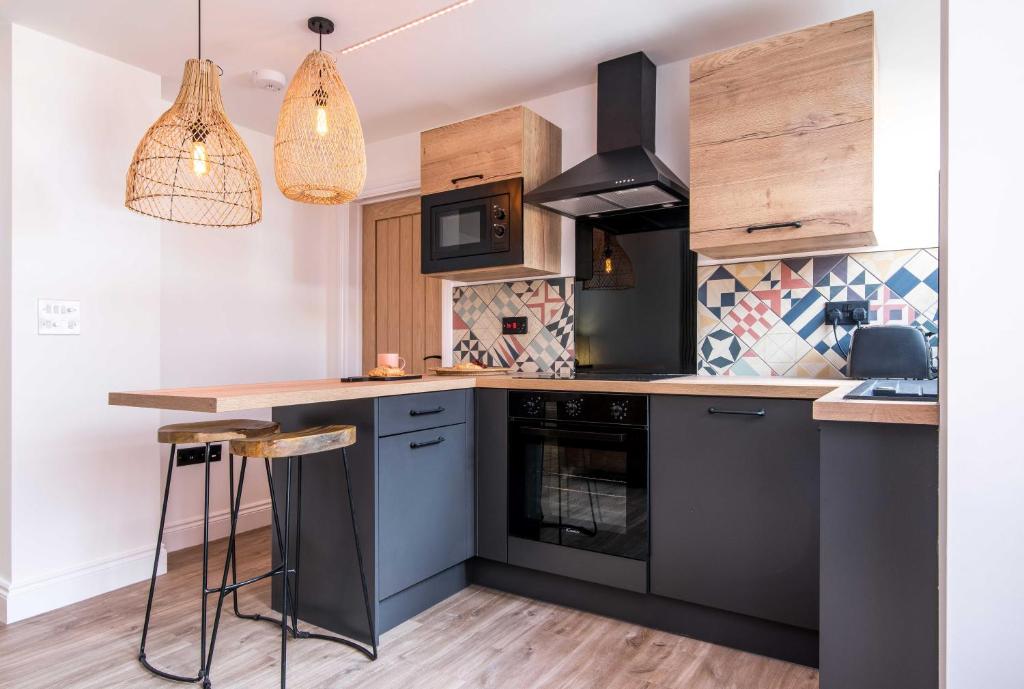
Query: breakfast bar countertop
[[829, 404]]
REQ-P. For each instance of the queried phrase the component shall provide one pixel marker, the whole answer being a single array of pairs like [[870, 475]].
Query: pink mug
[[391, 360]]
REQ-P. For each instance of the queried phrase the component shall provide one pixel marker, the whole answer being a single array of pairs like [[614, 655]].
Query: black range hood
[[624, 187]]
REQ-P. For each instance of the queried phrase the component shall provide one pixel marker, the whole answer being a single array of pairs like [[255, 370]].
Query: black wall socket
[[513, 325], [847, 309], [186, 456]]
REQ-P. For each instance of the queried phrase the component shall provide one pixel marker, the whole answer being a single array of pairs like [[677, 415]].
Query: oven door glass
[[460, 229], [575, 486]]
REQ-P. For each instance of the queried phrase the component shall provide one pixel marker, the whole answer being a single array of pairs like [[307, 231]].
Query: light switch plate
[[60, 317]]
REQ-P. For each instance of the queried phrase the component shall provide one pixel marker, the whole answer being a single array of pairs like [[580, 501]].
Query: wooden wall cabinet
[[515, 142], [781, 133]]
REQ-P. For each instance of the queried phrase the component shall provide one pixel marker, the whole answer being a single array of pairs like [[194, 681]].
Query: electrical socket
[[846, 308], [187, 456]]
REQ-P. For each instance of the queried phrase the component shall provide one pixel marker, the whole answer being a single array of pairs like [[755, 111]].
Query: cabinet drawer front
[[490, 146], [406, 413], [734, 505], [425, 510]]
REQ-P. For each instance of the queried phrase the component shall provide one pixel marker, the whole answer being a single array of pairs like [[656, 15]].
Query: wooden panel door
[[401, 307], [781, 145]]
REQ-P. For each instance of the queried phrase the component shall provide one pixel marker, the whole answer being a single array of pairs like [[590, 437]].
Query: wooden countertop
[[827, 394]]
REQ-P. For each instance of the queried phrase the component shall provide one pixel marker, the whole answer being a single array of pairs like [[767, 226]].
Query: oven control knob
[[533, 406], [498, 213], [619, 409], [499, 230], [573, 407]]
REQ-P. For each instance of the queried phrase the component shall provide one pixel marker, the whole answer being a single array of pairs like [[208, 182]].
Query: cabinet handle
[[737, 412], [456, 180], [426, 443], [425, 412], [774, 226]]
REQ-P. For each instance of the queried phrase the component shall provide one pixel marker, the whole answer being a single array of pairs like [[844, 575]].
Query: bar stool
[[205, 432], [292, 447]]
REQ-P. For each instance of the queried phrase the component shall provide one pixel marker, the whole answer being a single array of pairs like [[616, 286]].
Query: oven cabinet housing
[[492, 474], [503, 145], [735, 506], [781, 142], [425, 487]]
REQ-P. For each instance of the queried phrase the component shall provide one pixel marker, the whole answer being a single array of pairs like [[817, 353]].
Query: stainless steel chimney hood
[[624, 187]]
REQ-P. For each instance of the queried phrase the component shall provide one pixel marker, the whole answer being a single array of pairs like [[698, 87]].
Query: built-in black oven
[[472, 227], [578, 480]]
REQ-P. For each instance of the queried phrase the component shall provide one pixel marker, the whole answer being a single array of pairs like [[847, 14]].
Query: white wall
[[242, 305], [84, 484], [906, 131], [981, 408], [5, 315]]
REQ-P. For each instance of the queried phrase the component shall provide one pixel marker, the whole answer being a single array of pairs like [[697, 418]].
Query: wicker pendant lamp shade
[[319, 153], [192, 166]]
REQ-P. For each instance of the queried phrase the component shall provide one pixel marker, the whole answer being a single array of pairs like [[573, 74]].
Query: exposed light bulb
[[608, 264], [321, 121], [199, 164]]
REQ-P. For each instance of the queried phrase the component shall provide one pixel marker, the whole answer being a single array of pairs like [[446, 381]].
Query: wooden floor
[[478, 638]]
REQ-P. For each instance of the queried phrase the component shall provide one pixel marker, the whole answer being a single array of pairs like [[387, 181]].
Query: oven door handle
[[557, 433]]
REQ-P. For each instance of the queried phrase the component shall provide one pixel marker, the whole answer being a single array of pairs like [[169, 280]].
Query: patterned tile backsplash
[[763, 318], [547, 306]]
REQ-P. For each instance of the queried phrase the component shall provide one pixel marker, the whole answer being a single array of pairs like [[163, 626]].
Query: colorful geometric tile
[[807, 314], [706, 321], [487, 328], [882, 264], [888, 308], [782, 288], [546, 301], [917, 281], [780, 348], [703, 369], [520, 288], [570, 292], [934, 252], [457, 322], [720, 350], [750, 364], [505, 302], [704, 272], [813, 365], [750, 319], [832, 343], [505, 350], [469, 307], [750, 274], [457, 293], [561, 327], [814, 269], [721, 291], [542, 352], [467, 349], [848, 280], [564, 364]]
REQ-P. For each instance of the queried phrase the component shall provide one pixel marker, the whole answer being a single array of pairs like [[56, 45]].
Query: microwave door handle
[[557, 433]]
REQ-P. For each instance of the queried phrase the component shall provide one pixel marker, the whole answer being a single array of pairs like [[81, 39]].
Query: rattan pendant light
[[191, 166], [319, 153]]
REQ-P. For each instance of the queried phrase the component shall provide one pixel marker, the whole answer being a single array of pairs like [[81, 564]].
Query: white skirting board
[[19, 601], [189, 532]]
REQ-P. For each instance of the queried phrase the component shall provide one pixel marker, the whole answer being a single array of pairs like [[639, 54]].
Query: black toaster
[[889, 351]]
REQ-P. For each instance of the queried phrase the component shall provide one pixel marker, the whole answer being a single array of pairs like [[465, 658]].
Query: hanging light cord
[[408, 25], [199, 32]]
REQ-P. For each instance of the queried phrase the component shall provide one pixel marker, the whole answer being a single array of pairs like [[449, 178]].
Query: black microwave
[[473, 227]]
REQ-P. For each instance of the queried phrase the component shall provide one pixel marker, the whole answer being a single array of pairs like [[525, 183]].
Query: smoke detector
[[267, 79]]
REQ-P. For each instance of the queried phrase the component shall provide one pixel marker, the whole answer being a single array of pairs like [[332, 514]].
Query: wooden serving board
[[450, 371], [361, 379]]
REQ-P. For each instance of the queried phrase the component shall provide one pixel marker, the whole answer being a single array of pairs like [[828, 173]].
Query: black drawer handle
[[426, 443], [737, 412], [425, 412], [774, 226], [456, 180]]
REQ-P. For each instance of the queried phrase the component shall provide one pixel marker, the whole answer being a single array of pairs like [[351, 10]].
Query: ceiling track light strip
[[408, 25]]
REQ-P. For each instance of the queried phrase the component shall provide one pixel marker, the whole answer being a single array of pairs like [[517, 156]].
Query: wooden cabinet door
[[401, 307], [734, 505], [484, 149], [781, 131]]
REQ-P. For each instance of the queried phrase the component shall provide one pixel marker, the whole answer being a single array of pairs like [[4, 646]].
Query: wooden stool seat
[[218, 431], [296, 443]]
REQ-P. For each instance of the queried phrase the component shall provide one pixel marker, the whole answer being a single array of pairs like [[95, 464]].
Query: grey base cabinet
[[492, 474], [879, 556], [734, 505]]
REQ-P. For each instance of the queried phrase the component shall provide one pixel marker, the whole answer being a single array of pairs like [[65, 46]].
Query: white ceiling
[[488, 55]]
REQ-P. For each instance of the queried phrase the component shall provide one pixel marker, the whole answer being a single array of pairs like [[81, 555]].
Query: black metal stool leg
[[235, 507], [206, 559], [359, 558], [152, 581], [284, 577], [234, 558], [298, 545]]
